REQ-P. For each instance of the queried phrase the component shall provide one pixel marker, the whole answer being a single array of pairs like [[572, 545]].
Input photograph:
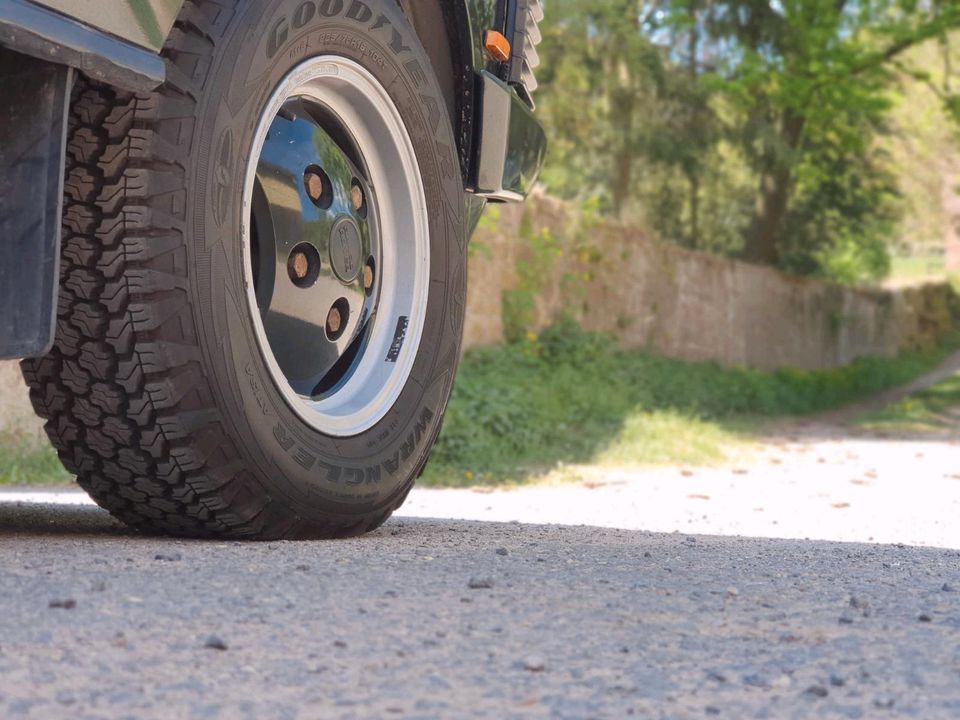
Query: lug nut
[[300, 264], [356, 195], [333, 321], [367, 277], [314, 185], [303, 265]]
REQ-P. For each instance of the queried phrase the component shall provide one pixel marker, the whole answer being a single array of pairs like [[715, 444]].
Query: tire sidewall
[[318, 475]]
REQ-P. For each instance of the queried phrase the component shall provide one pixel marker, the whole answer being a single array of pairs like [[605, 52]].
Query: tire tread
[[123, 392]]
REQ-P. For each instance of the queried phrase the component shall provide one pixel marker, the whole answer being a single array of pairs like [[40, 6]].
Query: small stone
[[168, 557], [884, 703], [303, 568], [503, 552], [947, 587], [837, 680], [481, 583], [732, 592], [817, 691], [782, 682], [65, 697], [65, 604], [215, 642], [339, 643], [711, 710], [756, 680], [845, 620], [534, 663], [923, 617], [716, 676]]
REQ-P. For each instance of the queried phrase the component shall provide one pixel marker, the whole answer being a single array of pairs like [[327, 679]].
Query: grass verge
[[570, 396], [933, 410], [29, 461]]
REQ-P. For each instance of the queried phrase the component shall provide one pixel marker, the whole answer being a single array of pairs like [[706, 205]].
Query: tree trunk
[[693, 174], [622, 107], [694, 180], [767, 224], [622, 179], [776, 182]]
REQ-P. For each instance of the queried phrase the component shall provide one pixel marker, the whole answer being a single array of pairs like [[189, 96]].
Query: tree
[[744, 126], [802, 69]]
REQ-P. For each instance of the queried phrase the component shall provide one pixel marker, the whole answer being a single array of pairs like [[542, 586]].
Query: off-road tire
[[155, 394]]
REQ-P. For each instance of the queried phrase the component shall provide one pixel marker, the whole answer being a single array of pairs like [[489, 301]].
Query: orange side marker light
[[497, 45]]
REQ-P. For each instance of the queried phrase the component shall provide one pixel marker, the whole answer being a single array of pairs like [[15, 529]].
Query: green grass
[[29, 461], [574, 397], [666, 436], [568, 397], [918, 268], [933, 410]]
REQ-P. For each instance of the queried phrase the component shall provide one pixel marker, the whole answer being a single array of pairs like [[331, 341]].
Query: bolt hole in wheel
[[336, 245]]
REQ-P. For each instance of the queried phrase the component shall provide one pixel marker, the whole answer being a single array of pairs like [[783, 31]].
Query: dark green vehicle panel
[[141, 22]]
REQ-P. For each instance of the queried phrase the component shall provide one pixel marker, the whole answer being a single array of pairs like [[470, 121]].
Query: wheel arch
[[452, 54]]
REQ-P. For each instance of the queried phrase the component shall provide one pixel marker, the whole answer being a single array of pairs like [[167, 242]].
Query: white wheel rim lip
[[365, 108]]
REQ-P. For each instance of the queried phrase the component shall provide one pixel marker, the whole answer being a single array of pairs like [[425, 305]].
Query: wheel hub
[[346, 247]]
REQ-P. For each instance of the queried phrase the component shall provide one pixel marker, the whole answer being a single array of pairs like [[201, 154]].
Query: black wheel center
[[346, 249]]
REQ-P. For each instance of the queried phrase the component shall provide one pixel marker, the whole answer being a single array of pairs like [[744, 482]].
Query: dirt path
[[847, 414]]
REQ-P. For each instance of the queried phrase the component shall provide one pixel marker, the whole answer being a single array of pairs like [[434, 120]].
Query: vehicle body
[[88, 88]]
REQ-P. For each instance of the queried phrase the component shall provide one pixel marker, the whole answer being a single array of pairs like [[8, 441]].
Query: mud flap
[[34, 98]]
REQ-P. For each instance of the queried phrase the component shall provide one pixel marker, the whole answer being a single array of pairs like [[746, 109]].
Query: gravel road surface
[[441, 618]]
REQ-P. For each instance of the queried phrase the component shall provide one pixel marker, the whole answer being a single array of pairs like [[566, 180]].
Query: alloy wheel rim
[[335, 245]]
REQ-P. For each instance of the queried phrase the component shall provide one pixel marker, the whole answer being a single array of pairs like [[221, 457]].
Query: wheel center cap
[[345, 249]]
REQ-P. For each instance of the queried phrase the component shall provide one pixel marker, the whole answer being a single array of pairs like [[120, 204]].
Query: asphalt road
[[560, 621]]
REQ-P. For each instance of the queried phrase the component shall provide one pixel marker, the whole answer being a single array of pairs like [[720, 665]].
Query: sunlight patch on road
[[819, 488]]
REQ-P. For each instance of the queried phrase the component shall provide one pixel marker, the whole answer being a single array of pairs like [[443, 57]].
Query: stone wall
[[688, 304], [16, 415]]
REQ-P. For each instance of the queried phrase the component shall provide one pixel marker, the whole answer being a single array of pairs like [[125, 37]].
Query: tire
[[161, 392]]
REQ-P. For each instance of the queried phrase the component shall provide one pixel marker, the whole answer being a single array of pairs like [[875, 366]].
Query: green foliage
[[533, 270], [29, 461], [745, 127], [573, 396], [540, 251], [933, 410]]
